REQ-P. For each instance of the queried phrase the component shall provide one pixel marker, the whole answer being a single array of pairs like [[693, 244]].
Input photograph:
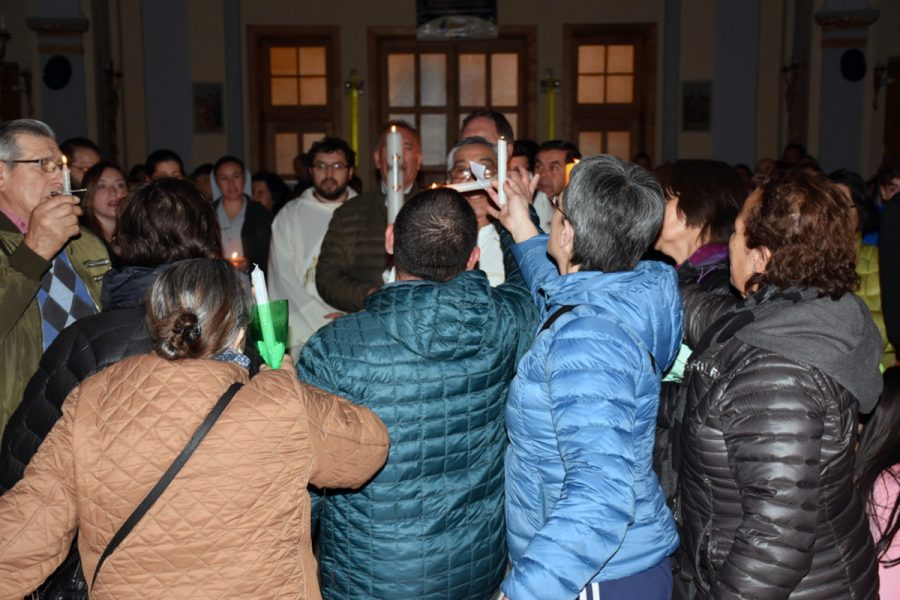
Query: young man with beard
[[297, 235]]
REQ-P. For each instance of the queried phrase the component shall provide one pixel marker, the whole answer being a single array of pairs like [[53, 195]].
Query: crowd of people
[[619, 382]]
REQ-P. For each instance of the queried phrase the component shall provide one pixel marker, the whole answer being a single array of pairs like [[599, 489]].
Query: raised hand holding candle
[[395, 185], [501, 170], [67, 177]]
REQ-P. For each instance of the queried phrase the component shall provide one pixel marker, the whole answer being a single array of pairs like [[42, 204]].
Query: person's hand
[[513, 215], [334, 315], [287, 363], [53, 222]]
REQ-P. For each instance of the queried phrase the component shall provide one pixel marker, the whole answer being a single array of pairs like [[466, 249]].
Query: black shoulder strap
[[167, 477], [552, 318]]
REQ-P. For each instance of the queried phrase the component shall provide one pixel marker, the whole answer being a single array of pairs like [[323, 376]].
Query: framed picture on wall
[[695, 105], [207, 107]]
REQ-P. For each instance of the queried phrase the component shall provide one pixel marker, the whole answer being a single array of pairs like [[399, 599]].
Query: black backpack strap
[[167, 477], [557, 314]]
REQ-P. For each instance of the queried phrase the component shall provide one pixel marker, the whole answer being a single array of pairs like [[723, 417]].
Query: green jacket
[[870, 292], [21, 338]]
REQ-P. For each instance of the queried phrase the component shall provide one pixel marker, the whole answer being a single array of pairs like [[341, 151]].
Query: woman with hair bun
[[235, 520], [774, 389]]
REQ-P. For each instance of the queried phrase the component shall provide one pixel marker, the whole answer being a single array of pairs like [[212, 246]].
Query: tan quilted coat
[[235, 523]]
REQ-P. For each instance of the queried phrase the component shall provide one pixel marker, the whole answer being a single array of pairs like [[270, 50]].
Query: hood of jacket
[[127, 286], [837, 336], [644, 301], [442, 321]]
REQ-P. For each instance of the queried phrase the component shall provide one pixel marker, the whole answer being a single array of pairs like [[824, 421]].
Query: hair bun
[[186, 326]]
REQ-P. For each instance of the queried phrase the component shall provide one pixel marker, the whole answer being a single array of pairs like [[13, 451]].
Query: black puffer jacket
[[768, 504], [706, 294]]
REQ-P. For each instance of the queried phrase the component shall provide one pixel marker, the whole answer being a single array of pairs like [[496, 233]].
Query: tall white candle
[[395, 181], [501, 170], [67, 177], [259, 285]]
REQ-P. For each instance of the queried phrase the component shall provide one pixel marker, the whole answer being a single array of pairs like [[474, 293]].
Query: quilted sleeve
[[38, 517], [593, 407], [536, 266], [350, 443], [774, 448]]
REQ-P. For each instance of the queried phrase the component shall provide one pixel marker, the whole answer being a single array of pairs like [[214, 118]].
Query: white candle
[[259, 285], [395, 185], [501, 171], [67, 177]]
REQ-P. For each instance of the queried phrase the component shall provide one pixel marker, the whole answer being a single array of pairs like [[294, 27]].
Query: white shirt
[[544, 210], [297, 234]]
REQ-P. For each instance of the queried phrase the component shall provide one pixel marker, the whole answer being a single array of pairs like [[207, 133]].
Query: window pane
[[434, 139], [283, 61], [472, 79], [285, 151], [313, 91], [591, 59], [621, 59], [284, 91], [312, 60], [309, 139], [504, 80], [402, 79], [590, 89], [409, 118], [433, 81], [590, 142], [618, 143], [619, 88]]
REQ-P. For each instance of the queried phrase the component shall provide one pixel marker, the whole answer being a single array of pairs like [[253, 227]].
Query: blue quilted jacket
[[582, 501], [434, 361]]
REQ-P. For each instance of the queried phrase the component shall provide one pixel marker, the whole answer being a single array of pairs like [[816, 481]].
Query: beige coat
[[235, 523]]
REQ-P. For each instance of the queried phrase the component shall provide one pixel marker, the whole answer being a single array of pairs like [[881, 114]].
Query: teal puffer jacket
[[434, 361]]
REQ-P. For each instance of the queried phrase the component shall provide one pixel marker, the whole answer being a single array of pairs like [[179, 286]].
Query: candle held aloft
[[395, 185], [67, 176], [501, 170]]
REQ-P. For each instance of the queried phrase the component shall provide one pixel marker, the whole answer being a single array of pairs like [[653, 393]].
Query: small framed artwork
[[207, 107], [696, 102]]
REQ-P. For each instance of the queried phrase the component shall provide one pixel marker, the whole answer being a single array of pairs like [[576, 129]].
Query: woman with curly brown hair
[[769, 508]]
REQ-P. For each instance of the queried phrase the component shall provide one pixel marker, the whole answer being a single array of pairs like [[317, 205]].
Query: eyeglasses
[[47, 165], [320, 166], [464, 173], [555, 201]]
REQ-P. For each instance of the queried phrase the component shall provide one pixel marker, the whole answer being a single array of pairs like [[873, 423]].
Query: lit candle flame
[[434, 186], [65, 160], [233, 255]]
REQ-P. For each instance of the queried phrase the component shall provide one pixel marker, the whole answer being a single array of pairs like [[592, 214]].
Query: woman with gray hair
[[585, 512], [234, 518]]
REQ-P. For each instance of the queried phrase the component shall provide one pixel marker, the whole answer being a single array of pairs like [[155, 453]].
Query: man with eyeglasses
[[352, 262], [297, 234], [479, 150], [50, 268]]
